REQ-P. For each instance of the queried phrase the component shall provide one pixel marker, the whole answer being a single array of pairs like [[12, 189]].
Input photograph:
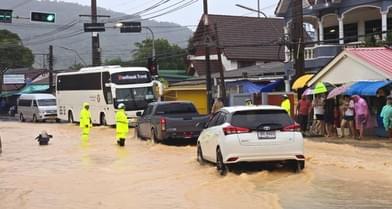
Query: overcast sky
[[189, 15]]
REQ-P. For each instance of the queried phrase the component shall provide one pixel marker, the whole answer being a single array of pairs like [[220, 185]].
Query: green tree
[[169, 56], [12, 53]]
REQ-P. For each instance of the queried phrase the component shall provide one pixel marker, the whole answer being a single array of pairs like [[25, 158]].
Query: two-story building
[[244, 42], [338, 24]]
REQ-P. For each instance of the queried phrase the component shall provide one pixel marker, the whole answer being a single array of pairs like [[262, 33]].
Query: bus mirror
[[107, 84]]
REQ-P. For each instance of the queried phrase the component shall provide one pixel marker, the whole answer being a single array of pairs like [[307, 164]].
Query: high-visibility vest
[[286, 105], [85, 118], [121, 124]]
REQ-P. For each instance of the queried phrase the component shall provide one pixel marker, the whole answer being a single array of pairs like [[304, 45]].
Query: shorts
[[348, 118], [362, 119], [319, 117]]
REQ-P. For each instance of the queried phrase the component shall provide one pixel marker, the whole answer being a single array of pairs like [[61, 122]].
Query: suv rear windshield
[[253, 119], [175, 108]]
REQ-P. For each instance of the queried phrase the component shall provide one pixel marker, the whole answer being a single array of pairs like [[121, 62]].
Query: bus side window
[[107, 90]]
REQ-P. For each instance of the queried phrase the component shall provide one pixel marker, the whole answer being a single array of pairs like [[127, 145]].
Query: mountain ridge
[[67, 32]]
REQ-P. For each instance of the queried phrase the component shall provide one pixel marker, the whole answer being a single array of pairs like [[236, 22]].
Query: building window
[[331, 34], [350, 32], [373, 28], [242, 64]]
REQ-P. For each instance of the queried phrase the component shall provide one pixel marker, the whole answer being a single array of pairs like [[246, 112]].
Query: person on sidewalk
[[386, 115], [303, 111], [286, 104], [85, 121], [318, 126], [361, 114], [348, 116], [121, 125]]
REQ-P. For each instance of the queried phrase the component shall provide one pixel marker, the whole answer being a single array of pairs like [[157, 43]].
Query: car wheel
[[21, 118], [297, 165], [220, 165], [103, 120], [200, 158], [70, 117], [58, 120], [35, 120], [153, 137]]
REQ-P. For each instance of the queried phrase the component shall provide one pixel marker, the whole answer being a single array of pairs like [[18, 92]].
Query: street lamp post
[[153, 41], [253, 10], [74, 51]]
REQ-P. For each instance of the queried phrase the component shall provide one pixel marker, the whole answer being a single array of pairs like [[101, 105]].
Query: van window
[[47, 102], [25, 102]]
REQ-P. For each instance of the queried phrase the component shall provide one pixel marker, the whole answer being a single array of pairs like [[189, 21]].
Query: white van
[[37, 107]]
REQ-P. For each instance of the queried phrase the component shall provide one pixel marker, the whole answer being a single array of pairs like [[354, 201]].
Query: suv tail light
[[235, 130], [162, 123], [292, 128]]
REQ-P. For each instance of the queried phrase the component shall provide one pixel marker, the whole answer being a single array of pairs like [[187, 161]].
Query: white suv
[[251, 134]]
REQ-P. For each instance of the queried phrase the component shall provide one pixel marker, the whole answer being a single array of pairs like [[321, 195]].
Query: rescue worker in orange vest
[[121, 125]]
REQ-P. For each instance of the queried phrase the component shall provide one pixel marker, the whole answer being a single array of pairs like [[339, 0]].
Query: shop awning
[[301, 81], [34, 88], [366, 88]]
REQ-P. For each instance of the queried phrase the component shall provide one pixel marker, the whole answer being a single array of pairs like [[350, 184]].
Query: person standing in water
[[121, 125], [85, 121]]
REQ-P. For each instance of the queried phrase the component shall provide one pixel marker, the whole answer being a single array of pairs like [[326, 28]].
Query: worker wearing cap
[[286, 104], [85, 121], [121, 125]]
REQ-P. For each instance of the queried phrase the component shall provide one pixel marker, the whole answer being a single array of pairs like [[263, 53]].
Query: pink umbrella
[[308, 91], [339, 90]]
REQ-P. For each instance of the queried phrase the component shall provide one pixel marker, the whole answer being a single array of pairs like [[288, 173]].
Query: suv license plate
[[266, 134]]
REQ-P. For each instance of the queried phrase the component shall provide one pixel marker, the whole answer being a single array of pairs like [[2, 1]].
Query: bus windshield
[[134, 98]]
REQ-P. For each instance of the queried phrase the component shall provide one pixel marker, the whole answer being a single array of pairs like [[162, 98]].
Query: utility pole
[[258, 8], [221, 70], [51, 69], [207, 57], [297, 38], [96, 53]]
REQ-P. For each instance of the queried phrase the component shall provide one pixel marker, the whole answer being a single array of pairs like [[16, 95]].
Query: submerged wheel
[[103, 120], [153, 137], [297, 165], [199, 153], [220, 165], [35, 120], [21, 118], [70, 117]]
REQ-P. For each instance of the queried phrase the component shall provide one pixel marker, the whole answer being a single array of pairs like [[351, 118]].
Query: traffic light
[[43, 17], [5, 16], [131, 27], [152, 66]]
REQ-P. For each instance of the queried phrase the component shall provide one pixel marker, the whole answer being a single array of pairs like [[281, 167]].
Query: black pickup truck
[[167, 120]]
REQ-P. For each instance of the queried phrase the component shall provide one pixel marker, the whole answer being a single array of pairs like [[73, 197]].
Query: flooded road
[[69, 174]]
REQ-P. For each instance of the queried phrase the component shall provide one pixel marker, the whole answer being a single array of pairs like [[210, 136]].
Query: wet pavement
[[72, 174]]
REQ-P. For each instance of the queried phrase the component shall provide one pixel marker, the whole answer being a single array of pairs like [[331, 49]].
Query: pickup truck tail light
[[292, 128], [162, 123], [235, 130]]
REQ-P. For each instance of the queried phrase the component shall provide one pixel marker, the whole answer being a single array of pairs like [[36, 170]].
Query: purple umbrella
[[339, 90], [308, 91]]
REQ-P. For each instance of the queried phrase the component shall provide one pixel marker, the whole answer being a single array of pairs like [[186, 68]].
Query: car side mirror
[[139, 114]]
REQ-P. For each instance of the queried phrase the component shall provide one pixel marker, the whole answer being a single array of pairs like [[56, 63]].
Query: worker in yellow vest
[[121, 125], [85, 121], [286, 104]]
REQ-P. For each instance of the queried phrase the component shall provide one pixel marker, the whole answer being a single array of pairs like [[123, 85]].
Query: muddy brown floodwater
[[69, 174]]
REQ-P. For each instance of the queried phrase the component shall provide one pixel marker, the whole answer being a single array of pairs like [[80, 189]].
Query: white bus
[[104, 88]]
